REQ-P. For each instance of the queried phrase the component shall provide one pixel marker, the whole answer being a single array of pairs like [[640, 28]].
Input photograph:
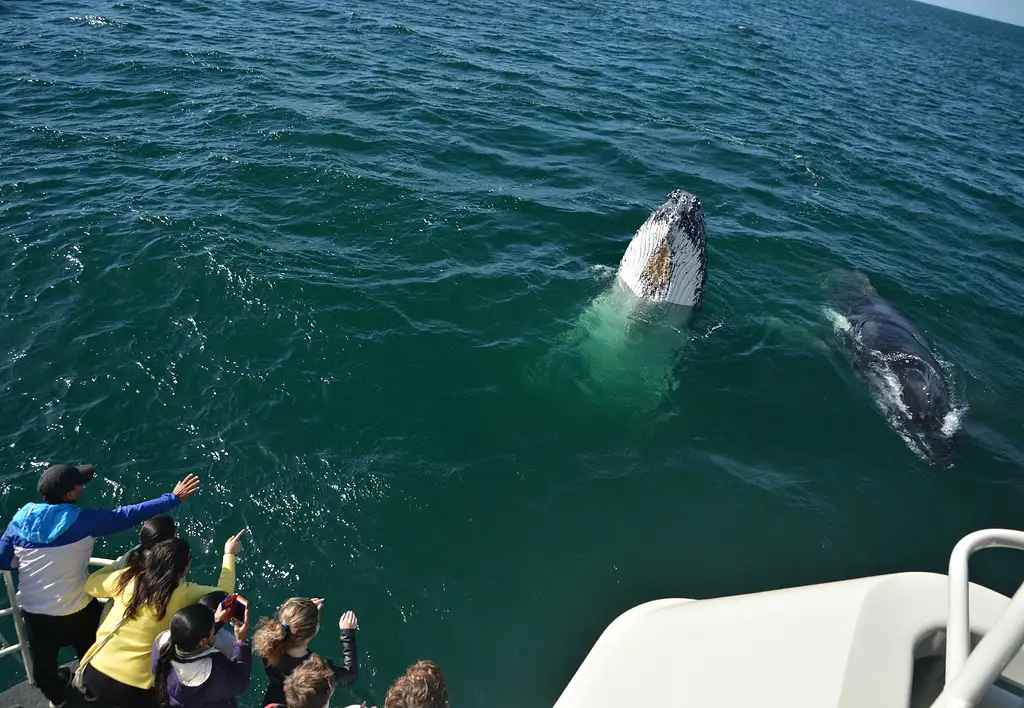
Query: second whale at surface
[[892, 356]]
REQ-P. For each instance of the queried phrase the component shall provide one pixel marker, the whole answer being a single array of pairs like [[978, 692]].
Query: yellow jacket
[[127, 657]]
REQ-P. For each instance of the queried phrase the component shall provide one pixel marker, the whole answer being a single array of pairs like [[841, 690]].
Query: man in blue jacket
[[50, 545]]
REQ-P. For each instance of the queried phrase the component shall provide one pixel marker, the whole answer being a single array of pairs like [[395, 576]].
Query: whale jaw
[[667, 259]]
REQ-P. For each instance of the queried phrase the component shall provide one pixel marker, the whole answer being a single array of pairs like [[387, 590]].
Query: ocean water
[[314, 251]]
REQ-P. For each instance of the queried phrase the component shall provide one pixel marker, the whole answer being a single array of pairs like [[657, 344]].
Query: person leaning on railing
[[119, 671], [49, 543]]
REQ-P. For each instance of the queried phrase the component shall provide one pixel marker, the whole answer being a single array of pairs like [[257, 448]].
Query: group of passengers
[[165, 641]]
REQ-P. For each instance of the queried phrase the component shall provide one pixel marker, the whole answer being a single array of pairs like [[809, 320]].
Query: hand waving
[[349, 621], [233, 546], [186, 487]]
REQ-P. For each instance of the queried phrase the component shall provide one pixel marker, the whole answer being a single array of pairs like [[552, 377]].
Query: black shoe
[[65, 676]]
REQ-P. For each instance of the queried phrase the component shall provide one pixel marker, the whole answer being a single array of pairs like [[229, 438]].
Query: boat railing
[[969, 674], [20, 648]]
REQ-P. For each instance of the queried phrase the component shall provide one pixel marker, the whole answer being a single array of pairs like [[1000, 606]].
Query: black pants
[[111, 693], [47, 634]]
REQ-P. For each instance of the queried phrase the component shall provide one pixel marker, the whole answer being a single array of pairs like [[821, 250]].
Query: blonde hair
[[421, 686], [310, 684], [295, 623]]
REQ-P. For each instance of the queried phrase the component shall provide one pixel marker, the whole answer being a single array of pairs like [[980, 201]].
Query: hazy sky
[[1011, 11]]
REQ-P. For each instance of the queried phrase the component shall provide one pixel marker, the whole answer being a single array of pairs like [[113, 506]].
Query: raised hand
[[233, 546], [348, 620], [186, 487], [242, 630], [319, 602]]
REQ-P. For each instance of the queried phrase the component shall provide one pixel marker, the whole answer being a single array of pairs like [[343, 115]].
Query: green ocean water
[[314, 253]]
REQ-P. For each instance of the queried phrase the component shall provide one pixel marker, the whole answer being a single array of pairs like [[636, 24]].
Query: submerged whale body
[[892, 355], [622, 348]]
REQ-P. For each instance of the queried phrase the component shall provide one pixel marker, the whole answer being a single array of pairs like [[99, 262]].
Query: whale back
[[888, 349], [667, 259]]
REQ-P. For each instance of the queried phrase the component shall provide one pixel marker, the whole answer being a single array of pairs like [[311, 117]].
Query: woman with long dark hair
[[189, 671], [160, 528], [146, 596]]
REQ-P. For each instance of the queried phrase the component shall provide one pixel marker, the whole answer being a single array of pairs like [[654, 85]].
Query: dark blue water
[[314, 253]]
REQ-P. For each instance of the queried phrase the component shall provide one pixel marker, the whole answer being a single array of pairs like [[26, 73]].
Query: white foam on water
[[95, 20], [885, 389], [711, 330], [914, 445], [73, 257], [953, 420], [891, 389], [839, 322]]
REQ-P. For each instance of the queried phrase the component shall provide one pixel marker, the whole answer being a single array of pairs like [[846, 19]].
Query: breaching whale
[[623, 346], [893, 357], [667, 260]]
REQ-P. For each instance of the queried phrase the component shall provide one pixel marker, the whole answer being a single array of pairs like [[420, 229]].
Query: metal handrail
[[19, 629], [958, 629], [969, 674], [19, 623]]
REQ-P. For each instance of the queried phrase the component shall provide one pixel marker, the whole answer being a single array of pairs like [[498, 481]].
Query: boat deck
[[25, 695], [863, 643]]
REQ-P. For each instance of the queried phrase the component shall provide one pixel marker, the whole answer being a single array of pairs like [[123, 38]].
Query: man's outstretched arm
[[99, 522]]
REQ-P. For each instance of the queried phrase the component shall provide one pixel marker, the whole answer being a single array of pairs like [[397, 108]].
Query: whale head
[[926, 405], [667, 259]]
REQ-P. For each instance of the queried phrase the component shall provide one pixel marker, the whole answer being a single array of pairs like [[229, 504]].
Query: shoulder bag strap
[[93, 651]]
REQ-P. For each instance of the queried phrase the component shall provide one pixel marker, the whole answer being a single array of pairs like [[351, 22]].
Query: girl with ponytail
[[146, 595], [283, 644], [189, 671], [159, 528]]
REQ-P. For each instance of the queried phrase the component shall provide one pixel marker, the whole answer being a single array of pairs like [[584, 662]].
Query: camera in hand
[[238, 606], [241, 608]]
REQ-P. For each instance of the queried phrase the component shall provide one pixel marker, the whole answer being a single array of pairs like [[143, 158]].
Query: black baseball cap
[[58, 480]]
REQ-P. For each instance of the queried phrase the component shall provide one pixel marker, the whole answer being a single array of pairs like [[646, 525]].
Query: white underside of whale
[[659, 266], [623, 347]]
